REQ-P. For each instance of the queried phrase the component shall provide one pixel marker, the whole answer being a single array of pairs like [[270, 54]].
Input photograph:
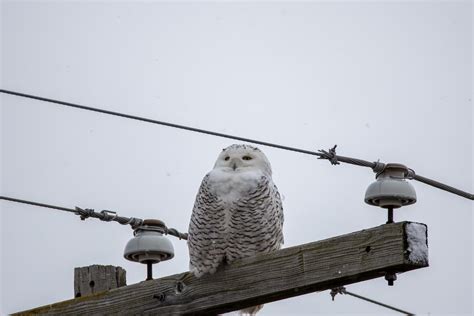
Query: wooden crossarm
[[289, 272]]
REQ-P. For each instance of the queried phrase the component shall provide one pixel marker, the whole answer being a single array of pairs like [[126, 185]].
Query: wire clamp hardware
[[108, 216], [84, 213], [174, 232], [378, 167], [337, 290], [134, 222], [329, 155]]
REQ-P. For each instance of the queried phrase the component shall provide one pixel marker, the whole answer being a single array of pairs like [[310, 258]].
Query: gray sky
[[386, 80]]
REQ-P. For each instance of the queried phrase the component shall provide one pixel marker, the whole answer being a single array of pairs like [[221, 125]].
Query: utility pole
[[97, 278], [316, 266]]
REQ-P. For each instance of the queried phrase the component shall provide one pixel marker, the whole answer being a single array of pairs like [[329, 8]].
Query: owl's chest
[[232, 186]]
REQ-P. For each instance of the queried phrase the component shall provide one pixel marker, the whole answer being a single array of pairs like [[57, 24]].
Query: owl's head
[[237, 158]]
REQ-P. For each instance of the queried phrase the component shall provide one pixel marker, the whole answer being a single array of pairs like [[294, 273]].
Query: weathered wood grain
[[97, 278], [316, 266]]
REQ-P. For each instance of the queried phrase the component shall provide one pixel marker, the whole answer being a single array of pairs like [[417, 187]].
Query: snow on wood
[[417, 239]]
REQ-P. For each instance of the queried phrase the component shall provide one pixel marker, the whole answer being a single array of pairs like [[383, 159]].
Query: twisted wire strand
[[108, 216], [105, 215], [322, 154]]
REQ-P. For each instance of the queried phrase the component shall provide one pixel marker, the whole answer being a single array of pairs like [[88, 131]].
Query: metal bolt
[[149, 270], [179, 287], [390, 215], [160, 296], [390, 277]]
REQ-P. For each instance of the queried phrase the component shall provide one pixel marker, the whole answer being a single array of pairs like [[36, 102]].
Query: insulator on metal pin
[[149, 246]]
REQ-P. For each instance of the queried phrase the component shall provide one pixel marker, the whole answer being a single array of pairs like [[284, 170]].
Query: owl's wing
[[206, 231], [277, 213], [272, 217]]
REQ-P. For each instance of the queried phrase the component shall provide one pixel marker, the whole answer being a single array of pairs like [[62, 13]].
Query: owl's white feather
[[237, 213]]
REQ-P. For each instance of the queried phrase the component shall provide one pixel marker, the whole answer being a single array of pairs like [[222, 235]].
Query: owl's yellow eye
[[226, 158], [247, 158]]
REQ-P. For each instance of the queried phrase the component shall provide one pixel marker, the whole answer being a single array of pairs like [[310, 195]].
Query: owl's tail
[[251, 311]]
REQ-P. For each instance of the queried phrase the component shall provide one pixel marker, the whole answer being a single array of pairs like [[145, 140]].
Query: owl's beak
[[234, 163]]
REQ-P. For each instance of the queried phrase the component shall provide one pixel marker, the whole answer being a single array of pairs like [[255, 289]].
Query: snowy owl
[[237, 212]]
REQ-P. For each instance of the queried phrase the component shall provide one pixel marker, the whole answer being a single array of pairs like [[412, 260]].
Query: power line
[[143, 119], [322, 154], [342, 290], [104, 215], [38, 204]]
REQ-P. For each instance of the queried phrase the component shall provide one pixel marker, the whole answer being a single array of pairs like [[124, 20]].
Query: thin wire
[[38, 204], [106, 216], [144, 119], [443, 186], [378, 303], [342, 290], [322, 154]]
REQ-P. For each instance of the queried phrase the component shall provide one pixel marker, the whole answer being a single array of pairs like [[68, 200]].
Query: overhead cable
[[105, 215], [322, 154]]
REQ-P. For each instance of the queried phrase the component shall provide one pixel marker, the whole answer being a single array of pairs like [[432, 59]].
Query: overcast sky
[[386, 80]]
